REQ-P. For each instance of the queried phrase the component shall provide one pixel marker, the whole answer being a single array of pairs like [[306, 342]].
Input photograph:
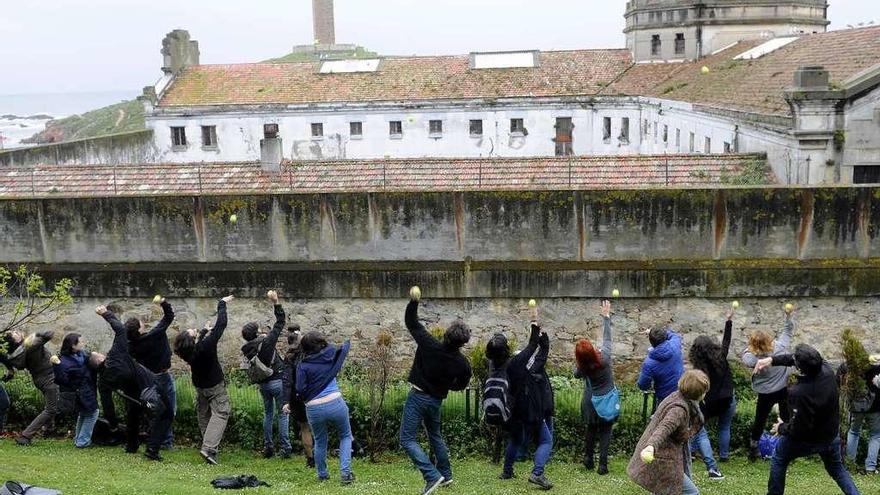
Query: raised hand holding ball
[[789, 307], [157, 299]]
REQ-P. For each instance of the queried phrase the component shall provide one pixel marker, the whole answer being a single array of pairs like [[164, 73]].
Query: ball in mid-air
[[705, 70], [533, 303], [734, 305], [233, 218], [615, 293], [789, 307]]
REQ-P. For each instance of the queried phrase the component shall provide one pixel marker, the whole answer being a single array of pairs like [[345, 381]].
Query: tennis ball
[[705, 70], [647, 456], [233, 218], [533, 303], [157, 299], [734, 304], [615, 293], [789, 307], [415, 293]]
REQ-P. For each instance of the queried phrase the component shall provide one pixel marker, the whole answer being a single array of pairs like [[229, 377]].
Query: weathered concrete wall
[[127, 147], [819, 321]]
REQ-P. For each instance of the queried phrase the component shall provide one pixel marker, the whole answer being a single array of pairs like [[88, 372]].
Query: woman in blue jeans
[[316, 386], [709, 357], [76, 376]]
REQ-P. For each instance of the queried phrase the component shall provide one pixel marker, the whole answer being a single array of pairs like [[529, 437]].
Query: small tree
[[378, 376], [25, 300], [857, 363]]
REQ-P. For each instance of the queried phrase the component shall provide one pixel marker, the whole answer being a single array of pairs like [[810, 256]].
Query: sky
[[60, 46]]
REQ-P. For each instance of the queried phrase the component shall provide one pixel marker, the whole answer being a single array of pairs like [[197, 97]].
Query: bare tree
[[25, 300]]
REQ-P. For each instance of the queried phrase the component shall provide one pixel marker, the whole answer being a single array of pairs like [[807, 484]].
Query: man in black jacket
[[31, 354], [814, 425], [437, 368], [137, 384], [151, 349], [263, 347]]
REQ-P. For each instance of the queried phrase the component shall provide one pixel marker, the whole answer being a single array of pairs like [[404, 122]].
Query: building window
[[646, 128], [666, 134], [606, 129], [655, 45], [624, 130], [270, 131], [518, 126], [656, 130], [435, 128], [178, 137], [727, 148], [563, 138], [356, 129], [866, 174], [682, 15], [678, 139], [708, 146], [395, 129], [209, 136], [317, 130], [476, 128], [679, 44], [691, 146]]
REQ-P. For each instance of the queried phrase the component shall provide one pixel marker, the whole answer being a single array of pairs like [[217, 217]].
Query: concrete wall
[[122, 148], [862, 137]]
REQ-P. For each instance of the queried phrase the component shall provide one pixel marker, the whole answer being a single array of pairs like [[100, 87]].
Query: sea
[[22, 116]]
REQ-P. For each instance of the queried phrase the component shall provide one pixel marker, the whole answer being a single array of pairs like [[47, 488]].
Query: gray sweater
[[774, 378], [601, 381]]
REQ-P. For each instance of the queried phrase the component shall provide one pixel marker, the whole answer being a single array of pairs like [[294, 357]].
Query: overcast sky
[[53, 46]]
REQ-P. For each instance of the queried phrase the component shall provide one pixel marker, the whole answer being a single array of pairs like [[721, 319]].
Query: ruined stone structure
[[324, 22], [658, 30]]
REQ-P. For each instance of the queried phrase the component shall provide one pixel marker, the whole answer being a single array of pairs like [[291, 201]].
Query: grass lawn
[[58, 465]]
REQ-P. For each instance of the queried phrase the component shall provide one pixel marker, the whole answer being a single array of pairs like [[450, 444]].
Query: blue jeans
[[689, 487], [272, 392], [165, 386], [855, 430], [422, 409], [701, 439], [320, 416], [85, 424], [4, 406], [517, 438], [788, 450]]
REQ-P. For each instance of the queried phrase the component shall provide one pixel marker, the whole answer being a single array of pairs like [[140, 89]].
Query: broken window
[[624, 130], [606, 129], [317, 130], [517, 126], [655, 45], [866, 174], [209, 136], [691, 146], [435, 128], [708, 147], [563, 139], [270, 131], [356, 129], [679, 44], [476, 128], [178, 137], [395, 129]]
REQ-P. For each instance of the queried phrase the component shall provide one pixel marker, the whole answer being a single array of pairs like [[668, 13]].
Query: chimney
[[323, 22], [271, 154], [179, 52], [811, 77]]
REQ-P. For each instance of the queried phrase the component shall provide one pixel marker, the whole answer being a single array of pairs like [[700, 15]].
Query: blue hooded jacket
[[317, 370], [663, 367]]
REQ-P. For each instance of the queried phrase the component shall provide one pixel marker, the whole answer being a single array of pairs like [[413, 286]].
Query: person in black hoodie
[[272, 388], [199, 350], [814, 425], [292, 404], [437, 368], [31, 354], [151, 349], [528, 391], [121, 373]]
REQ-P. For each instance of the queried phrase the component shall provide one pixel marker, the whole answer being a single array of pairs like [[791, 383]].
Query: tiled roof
[[754, 85], [464, 174], [562, 73]]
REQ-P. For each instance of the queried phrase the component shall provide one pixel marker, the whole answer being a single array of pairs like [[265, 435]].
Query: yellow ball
[[415, 293], [233, 218], [533, 303], [734, 304], [789, 307], [157, 299], [615, 293], [705, 70]]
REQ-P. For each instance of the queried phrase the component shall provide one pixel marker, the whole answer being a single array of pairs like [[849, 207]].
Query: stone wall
[[122, 148]]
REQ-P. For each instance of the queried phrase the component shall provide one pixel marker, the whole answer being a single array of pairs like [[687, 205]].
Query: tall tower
[[324, 23], [658, 30]]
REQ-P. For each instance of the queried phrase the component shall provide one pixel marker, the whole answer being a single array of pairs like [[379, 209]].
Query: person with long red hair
[[601, 403]]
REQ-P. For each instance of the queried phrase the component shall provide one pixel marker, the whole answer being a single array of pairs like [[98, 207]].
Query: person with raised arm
[[664, 364], [438, 367], [199, 350], [266, 369], [600, 406], [771, 384], [30, 353]]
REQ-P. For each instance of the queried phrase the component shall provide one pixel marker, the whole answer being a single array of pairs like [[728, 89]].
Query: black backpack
[[238, 482], [496, 398]]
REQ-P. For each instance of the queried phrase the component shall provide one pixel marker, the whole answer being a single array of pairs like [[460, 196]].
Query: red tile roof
[[749, 85], [455, 174]]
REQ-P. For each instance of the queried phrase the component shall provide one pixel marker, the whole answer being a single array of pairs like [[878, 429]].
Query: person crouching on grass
[[661, 462], [316, 386], [438, 367], [199, 350]]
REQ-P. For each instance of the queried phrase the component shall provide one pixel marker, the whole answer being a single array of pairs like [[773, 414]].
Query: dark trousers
[[165, 385], [160, 424], [543, 435], [46, 418], [598, 431], [788, 450], [4, 406], [763, 408]]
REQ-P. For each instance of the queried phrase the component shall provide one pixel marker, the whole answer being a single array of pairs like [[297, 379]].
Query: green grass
[[58, 465]]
